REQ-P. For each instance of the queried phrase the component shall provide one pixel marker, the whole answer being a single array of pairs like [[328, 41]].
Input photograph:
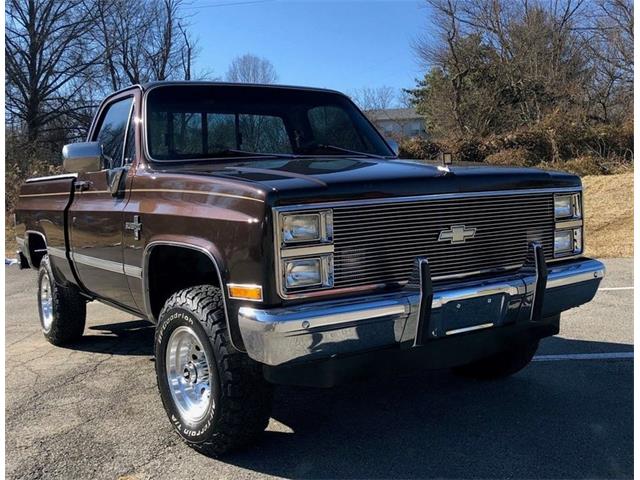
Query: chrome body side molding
[[52, 177], [111, 266]]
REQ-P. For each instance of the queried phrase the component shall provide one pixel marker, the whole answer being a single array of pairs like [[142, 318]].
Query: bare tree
[[250, 68], [143, 41], [48, 60], [187, 52], [610, 43], [374, 98]]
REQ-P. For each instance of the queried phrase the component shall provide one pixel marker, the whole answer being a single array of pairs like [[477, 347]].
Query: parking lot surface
[[92, 410]]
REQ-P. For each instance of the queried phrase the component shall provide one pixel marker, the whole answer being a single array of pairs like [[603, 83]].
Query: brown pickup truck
[[273, 236]]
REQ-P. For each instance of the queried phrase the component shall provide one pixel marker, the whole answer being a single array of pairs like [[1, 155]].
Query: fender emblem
[[457, 234], [136, 226]]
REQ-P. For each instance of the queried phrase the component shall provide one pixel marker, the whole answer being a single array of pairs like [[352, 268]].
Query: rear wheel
[[215, 396], [63, 311], [502, 364]]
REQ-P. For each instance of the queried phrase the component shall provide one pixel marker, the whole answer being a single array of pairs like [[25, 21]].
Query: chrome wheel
[[188, 375], [46, 302]]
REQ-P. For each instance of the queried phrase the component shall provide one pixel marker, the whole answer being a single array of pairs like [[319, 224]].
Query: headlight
[[563, 241], [567, 206], [567, 239], [314, 227], [304, 251], [567, 242], [301, 228], [303, 272]]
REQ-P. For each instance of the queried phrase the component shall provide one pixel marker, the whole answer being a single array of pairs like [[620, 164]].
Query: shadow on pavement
[[134, 337], [552, 420]]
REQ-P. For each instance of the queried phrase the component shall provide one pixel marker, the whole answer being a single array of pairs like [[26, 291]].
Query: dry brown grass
[[609, 215], [10, 244]]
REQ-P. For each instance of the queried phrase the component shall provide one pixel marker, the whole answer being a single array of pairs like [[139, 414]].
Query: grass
[[10, 245], [608, 205], [608, 212]]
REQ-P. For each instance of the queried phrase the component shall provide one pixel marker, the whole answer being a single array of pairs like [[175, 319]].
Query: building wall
[[401, 128]]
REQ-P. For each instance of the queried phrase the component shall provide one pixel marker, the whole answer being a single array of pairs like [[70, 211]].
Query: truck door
[[96, 214]]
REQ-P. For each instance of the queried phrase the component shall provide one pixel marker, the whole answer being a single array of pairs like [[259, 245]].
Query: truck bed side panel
[[41, 210]]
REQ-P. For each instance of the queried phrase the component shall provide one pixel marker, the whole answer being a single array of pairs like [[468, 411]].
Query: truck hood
[[302, 180]]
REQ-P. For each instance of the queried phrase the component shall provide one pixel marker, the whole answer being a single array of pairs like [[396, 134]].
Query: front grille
[[377, 243]]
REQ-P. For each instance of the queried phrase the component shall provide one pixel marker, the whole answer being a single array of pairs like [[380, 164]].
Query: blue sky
[[342, 45]]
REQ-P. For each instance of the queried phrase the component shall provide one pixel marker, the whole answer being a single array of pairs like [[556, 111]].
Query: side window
[[130, 148], [112, 132]]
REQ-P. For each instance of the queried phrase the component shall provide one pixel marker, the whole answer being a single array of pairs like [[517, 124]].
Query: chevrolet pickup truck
[[272, 236]]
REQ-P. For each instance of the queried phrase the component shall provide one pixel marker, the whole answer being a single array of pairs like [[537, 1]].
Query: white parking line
[[616, 288], [584, 356]]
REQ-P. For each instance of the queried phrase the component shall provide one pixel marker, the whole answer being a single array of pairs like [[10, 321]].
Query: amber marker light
[[238, 291]]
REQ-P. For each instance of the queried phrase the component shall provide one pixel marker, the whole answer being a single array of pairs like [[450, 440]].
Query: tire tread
[[245, 397]]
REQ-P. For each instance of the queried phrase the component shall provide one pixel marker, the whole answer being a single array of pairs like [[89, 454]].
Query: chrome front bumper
[[326, 329]]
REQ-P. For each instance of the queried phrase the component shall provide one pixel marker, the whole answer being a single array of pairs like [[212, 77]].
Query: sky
[[343, 45]]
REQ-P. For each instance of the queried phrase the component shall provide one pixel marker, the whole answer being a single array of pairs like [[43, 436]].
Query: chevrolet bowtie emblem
[[457, 234]]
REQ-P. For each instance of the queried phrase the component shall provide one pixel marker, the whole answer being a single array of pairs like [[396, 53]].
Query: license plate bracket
[[473, 313]]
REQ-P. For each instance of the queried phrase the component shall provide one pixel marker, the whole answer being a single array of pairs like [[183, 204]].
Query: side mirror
[[82, 157], [394, 146]]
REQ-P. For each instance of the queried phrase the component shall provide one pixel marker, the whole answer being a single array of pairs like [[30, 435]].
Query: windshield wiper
[[231, 152], [335, 148]]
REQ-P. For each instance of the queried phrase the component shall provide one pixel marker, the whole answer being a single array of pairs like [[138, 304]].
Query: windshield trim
[[145, 136]]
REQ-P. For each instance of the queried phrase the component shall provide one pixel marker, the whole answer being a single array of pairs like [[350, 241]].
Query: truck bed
[[41, 216]]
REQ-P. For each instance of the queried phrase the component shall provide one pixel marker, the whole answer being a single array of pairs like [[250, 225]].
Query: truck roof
[[149, 85]]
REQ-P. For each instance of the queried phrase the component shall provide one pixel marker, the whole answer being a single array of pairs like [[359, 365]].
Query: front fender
[[211, 251]]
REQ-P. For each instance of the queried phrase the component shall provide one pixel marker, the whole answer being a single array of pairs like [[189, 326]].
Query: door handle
[[83, 185]]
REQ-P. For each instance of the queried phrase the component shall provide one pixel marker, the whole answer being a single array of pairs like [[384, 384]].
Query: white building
[[398, 123]]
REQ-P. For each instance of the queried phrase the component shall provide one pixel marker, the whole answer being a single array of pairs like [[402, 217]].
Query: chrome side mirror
[[82, 157], [394, 146]]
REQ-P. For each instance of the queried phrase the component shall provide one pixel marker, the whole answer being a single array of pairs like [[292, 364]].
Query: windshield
[[186, 122]]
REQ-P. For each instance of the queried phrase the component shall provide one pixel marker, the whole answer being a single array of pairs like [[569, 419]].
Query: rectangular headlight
[[563, 241], [567, 206], [304, 251], [301, 227], [297, 228], [302, 272], [567, 242]]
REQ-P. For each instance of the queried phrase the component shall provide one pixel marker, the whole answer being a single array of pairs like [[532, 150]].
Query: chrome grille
[[377, 243]]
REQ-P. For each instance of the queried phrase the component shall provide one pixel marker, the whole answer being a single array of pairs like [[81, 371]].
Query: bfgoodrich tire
[[502, 364], [63, 311], [214, 395]]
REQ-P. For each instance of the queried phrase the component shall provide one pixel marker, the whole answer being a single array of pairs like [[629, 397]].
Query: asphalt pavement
[[92, 411]]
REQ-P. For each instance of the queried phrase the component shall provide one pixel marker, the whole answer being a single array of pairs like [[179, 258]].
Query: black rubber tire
[[242, 397], [502, 364], [69, 308]]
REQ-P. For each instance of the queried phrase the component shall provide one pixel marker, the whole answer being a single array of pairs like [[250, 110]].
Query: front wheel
[[502, 364], [214, 395]]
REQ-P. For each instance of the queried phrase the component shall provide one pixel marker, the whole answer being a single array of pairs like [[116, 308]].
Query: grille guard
[[534, 273]]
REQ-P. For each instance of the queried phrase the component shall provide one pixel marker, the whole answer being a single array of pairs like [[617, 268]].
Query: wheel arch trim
[[27, 247], [204, 247]]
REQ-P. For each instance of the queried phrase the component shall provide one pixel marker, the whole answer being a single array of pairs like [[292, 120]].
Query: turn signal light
[[245, 292]]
